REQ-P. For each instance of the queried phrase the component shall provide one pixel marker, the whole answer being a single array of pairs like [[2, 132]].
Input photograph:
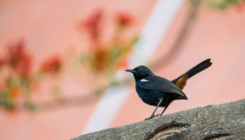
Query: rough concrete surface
[[213, 122]]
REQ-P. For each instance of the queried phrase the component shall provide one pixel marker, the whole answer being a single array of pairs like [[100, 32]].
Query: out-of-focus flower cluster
[[105, 56], [110, 55], [51, 65], [18, 80]]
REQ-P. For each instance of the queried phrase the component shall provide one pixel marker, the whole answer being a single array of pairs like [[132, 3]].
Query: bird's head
[[140, 72]]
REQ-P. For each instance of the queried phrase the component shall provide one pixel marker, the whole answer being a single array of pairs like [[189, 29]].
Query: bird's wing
[[156, 83]]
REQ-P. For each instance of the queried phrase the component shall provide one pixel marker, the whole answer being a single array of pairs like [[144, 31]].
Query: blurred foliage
[[103, 58], [17, 79], [223, 4]]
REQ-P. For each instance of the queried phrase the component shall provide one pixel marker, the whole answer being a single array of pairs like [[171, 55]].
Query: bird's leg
[[164, 109], [152, 115]]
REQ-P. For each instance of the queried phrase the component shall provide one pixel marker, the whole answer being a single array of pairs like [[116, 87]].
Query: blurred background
[[62, 62]]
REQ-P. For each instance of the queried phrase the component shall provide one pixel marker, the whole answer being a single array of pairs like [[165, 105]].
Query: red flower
[[15, 92], [123, 64], [240, 7], [93, 25], [51, 65], [1, 62], [18, 59], [124, 19]]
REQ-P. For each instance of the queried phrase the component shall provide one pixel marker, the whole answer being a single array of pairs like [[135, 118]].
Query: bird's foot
[[158, 115], [152, 117]]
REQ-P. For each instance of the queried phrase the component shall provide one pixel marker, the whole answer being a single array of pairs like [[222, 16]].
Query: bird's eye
[[139, 70]]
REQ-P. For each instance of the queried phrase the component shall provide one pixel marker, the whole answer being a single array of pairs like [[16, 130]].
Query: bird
[[160, 92]]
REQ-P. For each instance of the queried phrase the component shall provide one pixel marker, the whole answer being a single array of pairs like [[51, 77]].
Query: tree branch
[[219, 122]]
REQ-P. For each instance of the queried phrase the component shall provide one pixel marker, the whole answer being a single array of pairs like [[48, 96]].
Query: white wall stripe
[[155, 29], [107, 108], [151, 36]]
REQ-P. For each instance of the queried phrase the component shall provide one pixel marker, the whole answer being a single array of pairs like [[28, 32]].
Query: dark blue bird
[[160, 92]]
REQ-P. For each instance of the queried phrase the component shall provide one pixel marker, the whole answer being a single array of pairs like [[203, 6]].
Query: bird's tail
[[198, 68]]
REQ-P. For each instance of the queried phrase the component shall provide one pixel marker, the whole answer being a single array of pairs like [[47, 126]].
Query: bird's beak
[[132, 71]]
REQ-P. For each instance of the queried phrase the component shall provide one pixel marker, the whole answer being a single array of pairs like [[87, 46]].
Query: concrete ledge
[[213, 122]]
